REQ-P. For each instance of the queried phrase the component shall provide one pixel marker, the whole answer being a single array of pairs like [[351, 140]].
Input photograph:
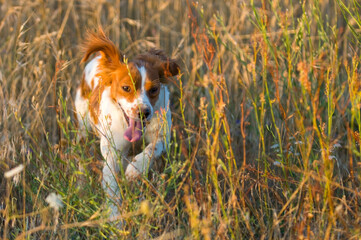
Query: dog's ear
[[99, 42], [167, 67]]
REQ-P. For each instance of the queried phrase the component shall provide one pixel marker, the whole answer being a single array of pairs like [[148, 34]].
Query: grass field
[[266, 120]]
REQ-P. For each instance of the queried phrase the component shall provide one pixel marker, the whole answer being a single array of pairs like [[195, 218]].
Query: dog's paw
[[138, 166], [132, 172]]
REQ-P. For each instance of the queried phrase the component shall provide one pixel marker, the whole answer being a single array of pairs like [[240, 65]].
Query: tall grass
[[266, 121]]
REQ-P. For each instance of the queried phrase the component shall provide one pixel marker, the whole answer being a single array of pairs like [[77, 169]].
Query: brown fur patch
[[157, 60], [99, 42], [85, 89], [126, 77], [158, 68], [152, 82], [94, 102]]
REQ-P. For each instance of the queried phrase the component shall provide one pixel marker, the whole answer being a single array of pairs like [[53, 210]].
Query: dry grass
[[266, 117]]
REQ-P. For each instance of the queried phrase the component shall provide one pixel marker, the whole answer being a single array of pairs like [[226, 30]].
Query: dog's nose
[[145, 113]]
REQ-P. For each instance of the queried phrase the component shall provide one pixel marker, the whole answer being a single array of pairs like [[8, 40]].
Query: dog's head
[[134, 85]]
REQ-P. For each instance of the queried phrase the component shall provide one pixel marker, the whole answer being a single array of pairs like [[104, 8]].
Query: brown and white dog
[[127, 105]]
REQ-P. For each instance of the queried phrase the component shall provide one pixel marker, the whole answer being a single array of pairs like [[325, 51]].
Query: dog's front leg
[[143, 161], [110, 172]]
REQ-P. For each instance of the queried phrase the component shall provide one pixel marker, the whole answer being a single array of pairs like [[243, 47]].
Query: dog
[[126, 104]]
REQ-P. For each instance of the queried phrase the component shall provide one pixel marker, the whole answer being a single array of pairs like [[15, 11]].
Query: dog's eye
[[126, 88], [153, 90]]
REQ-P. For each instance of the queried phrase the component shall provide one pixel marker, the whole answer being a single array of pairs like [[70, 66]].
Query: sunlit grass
[[266, 121]]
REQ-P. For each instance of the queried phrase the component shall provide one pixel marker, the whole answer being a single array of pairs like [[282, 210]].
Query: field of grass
[[266, 121]]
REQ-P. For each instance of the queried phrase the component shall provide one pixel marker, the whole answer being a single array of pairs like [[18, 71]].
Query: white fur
[[82, 104], [91, 69], [143, 73], [112, 125]]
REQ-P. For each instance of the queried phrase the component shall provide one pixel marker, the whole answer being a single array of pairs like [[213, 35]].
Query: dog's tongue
[[134, 131]]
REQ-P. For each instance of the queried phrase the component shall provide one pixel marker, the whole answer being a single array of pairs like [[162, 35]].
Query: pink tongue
[[134, 131]]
